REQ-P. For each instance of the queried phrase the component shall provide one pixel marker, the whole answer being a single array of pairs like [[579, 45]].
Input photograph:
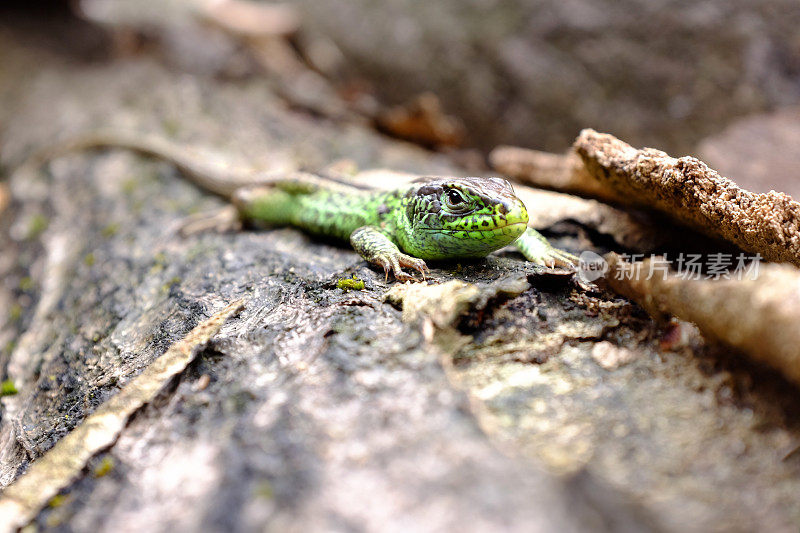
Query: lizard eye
[[456, 203], [454, 198]]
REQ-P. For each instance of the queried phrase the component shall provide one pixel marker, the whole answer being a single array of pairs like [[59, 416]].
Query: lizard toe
[[416, 264], [393, 264], [564, 259], [399, 275]]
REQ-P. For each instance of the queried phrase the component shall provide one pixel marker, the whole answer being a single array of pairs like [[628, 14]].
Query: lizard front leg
[[538, 250], [376, 247]]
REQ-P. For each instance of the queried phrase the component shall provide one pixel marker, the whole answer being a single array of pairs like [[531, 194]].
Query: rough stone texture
[[318, 409], [690, 192], [56, 470], [673, 427]]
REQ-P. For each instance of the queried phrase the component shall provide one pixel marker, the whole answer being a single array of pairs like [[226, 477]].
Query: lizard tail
[[214, 176], [271, 206]]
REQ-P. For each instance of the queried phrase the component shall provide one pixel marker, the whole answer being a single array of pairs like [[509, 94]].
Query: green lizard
[[429, 219]]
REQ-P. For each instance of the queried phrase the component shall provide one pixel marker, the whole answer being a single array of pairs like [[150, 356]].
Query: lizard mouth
[[515, 228], [497, 230]]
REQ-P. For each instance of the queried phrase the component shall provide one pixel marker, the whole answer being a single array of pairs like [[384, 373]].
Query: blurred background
[[719, 78]]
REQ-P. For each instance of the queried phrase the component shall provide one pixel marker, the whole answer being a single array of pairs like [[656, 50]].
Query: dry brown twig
[[691, 193], [756, 316]]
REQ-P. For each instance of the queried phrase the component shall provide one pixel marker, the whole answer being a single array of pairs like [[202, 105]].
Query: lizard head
[[461, 217]]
